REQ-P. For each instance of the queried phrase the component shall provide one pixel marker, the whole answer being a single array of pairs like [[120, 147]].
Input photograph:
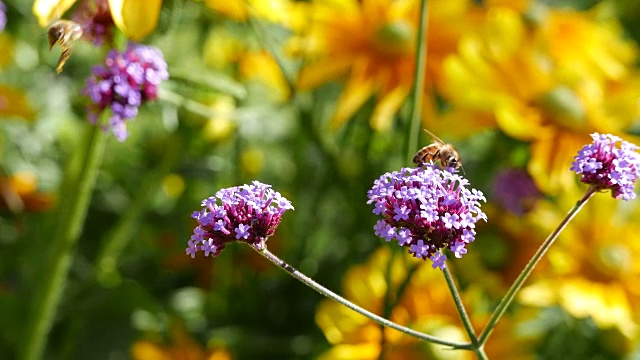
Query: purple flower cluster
[[126, 81], [3, 16], [603, 165], [426, 209], [515, 191], [247, 213], [95, 18]]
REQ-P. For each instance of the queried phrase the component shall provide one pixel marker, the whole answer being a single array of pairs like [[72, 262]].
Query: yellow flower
[[49, 10], [543, 88], [135, 18], [221, 126], [371, 43], [14, 103], [276, 11], [580, 44], [181, 347], [19, 193], [425, 305], [262, 66]]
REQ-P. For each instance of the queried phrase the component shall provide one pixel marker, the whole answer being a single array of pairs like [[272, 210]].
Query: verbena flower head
[[604, 165], [95, 18], [247, 213], [515, 190], [3, 16], [125, 81], [426, 210]]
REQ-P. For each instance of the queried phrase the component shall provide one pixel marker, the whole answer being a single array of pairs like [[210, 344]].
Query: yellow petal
[[146, 350], [135, 18], [263, 67], [234, 9], [48, 10], [387, 107], [551, 156], [356, 92], [360, 351], [518, 121], [322, 71], [14, 103]]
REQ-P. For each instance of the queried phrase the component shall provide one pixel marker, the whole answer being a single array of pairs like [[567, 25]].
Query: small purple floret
[[604, 166], [125, 82], [426, 210], [247, 213], [3, 16]]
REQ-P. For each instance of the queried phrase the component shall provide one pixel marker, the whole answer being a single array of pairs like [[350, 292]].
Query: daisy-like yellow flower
[[370, 45], [284, 12], [536, 85], [135, 18], [425, 305], [592, 270], [182, 347]]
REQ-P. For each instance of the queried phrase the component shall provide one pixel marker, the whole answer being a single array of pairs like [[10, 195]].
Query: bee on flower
[[427, 210]]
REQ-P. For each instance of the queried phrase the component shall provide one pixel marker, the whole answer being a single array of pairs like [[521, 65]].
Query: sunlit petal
[[136, 18], [48, 10]]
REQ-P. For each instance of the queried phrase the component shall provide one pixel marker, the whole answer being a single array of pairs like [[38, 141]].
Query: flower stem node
[[605, 166], [426, 210], [247, 213]]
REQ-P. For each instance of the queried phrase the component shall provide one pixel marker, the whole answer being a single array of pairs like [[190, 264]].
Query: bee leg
[[64, 56]]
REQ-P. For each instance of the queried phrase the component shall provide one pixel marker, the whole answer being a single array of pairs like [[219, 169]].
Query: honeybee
[[64, 33], [446, 154]]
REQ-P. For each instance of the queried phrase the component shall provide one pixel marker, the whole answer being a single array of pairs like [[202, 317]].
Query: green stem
[[419, 80], [462, 312], [118, 237], [193, 106], [63, 245], [333, 296], [264, 34], [524, 275], [386, 304]]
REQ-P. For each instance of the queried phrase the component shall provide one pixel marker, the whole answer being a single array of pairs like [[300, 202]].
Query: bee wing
[[433, 136]]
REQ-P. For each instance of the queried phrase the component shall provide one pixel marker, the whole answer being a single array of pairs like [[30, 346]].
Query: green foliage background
[[236, 301]]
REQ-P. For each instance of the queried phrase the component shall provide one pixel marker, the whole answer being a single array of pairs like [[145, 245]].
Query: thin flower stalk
[[63, 245], [333, 296], [608, 163], [250, 214], [524, 275], [462, 312], [419, 80]]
